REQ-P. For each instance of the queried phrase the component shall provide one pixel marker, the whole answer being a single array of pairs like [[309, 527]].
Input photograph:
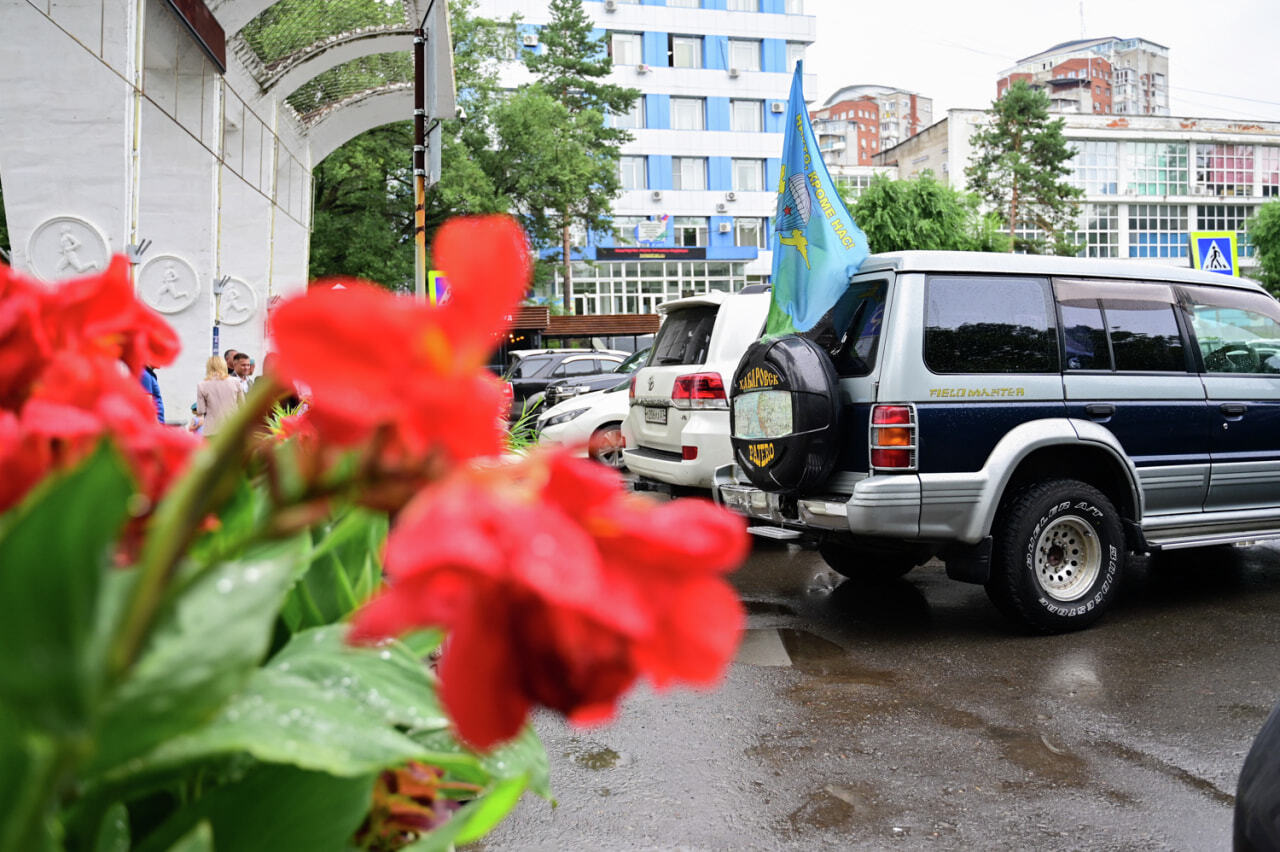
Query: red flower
[[24, 340], [558, 589], [407, 375]]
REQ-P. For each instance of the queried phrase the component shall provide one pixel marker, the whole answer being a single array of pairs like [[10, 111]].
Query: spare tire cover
[[785, 414]]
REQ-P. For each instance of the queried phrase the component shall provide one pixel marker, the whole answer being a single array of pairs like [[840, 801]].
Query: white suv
[[677, 429]]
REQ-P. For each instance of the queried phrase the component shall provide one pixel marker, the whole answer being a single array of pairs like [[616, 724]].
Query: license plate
[[655, 415]]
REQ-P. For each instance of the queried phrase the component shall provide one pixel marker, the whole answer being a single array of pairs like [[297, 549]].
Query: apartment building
[[700, 176], [1110, 75], [1148, 180], [857, 122]]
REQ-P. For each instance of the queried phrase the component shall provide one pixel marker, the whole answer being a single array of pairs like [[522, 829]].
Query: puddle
[[596, 757], [814, 655]]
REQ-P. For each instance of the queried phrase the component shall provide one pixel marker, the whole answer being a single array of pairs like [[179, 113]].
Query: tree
[[1264, 233], [572, 68], [1019, 162], [922, 213]]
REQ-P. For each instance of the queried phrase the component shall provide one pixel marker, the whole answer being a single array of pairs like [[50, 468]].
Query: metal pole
[[419, 165]]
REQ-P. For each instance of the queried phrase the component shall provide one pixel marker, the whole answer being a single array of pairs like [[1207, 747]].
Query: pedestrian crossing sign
[[1214, 251]]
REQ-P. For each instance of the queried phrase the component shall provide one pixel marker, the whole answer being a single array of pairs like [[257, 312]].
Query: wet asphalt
[[912, 716]]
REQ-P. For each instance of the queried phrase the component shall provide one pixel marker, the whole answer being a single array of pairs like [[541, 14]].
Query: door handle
[[1099, 410], [1233, 409]]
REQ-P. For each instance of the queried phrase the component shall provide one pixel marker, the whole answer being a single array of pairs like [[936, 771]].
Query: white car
[[677, 430], [592, 422]]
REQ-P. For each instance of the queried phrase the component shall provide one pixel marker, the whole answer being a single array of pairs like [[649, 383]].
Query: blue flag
[[816, 245]]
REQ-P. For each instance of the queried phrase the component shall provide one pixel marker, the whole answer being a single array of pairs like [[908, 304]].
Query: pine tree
[[1019, 161], [572, 68]]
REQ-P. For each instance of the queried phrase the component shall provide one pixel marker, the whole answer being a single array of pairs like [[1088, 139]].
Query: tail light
[[893, 437], [631, 394], [508, 396], [699, 391]]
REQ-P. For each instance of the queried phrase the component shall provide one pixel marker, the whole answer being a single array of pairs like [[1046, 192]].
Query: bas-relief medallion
[[168, 283], [67, 247]]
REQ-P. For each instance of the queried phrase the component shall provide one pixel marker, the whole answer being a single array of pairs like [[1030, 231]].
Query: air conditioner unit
[[721, 207], [731, 196], [611, 5], [733, 72], [530, 39], [726, 228], [777, 106], [642, 69], [656, 195]]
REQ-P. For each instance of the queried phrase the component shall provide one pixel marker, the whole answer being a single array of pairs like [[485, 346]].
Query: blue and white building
[[700, 176]]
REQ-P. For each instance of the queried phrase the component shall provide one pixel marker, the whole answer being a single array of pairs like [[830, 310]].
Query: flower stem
[[178, 518]]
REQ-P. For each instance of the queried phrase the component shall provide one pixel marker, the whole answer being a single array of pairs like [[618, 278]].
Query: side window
[[1236, 331], [1120, 326], [580, 367], [989, 324], [529, 367]]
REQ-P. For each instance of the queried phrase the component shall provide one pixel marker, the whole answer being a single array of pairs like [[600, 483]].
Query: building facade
[[1148, 181], [700, 175], [857, 122], [1101, 76]]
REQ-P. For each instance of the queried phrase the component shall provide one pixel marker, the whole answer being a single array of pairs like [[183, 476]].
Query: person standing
[[242, 369], [217, 396], [230, 355], [152, 386]]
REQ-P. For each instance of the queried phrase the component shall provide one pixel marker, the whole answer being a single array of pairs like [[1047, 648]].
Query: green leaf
[[524, 756], [475, 819], [343, 571], [113, 833], [27, 761], [204, 648], [198, 839], [388, 679], [54, 551], [276, 808]]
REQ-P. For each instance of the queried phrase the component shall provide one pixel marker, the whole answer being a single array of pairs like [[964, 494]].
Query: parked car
[[562, 389], [592, 422], [530, 370], [1031, 420], [677, 429]]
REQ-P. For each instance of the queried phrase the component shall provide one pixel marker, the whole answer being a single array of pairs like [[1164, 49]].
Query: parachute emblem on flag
[[797, 207]]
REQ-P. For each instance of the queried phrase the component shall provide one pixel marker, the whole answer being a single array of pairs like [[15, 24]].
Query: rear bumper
[[711, 439]]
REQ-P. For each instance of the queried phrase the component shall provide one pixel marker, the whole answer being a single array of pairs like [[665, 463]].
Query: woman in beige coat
[[217, 396]]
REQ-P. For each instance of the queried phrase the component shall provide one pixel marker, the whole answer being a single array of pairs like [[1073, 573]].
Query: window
[[624, 48], [691, 230], [851, 186], [1094, 167], [686, 4], [686, 51], [632, 120], [577, 367], [688, 172], [795, 53], [631, 172], [744, 55], [743, 5], [794, 7], [624, 229], [748, 175], [1099, 234], [1228, 217], [1124, 327], [978, 324], [1225, 169], [688, 114], [1269, 170], [1157, 168], [684, 336], [1157, 230], [750, 231], [749, 116], [1237, 331]]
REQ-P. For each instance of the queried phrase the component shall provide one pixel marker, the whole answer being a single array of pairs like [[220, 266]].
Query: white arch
[[334, 51], [347, 119]]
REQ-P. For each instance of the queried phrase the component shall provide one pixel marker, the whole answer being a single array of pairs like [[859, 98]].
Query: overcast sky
[[953, 51]]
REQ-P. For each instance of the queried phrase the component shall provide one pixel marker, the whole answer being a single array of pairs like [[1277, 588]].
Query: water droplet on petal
[[224, 586]]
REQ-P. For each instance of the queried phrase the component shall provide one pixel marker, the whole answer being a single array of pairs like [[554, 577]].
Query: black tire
[[1059, 556], [872, 562], [605, 446]]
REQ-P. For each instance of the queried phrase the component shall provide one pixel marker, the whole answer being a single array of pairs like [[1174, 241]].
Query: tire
[[1058, 558], [874, 563], [605, 446]]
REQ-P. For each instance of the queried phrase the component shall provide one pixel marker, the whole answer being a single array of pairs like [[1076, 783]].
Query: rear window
[[863, 306], [684, 336], [527, 368], [989, 324]]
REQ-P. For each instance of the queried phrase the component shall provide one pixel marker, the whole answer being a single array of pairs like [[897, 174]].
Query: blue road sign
[[1214, 251]]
